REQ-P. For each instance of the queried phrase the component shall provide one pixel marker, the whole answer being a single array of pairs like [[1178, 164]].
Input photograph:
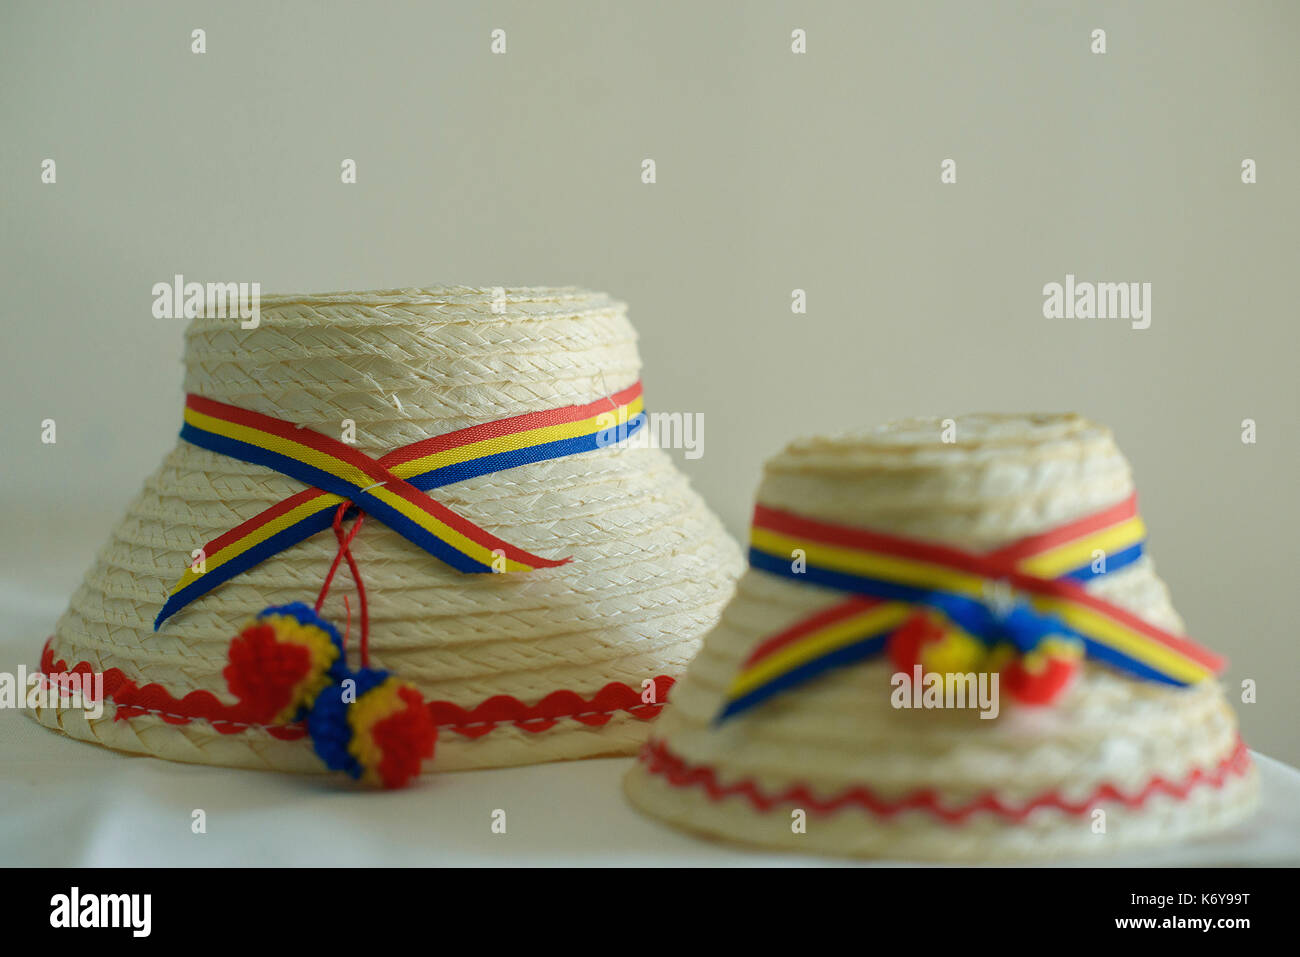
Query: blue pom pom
[[327, 722]]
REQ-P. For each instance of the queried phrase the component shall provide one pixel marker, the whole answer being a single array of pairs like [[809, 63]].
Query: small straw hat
[[550, 660], [891, 571]]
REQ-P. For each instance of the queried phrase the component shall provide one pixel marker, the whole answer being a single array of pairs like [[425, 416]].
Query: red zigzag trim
[[132, 700], [677, 772]]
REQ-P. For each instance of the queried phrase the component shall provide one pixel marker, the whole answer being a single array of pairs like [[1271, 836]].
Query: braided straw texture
[[651, 565], [1005, 478]]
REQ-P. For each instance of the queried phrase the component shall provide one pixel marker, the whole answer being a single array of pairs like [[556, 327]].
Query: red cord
[[345, 552]]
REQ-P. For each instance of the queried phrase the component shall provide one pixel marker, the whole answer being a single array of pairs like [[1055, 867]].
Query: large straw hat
[[560, 662], [1128, 747]]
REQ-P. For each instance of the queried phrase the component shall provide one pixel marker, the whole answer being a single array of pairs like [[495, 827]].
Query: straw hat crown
[[650, 564], [1161, 761]]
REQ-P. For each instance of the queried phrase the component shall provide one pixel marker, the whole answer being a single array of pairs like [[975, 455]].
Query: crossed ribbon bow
[[888, 578], [390, 488]]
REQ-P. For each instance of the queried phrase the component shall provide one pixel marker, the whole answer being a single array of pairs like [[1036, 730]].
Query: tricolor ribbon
[[390, 488], [889, 578]]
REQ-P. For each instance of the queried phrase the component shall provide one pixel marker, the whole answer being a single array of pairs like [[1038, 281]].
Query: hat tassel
[[290, 664]]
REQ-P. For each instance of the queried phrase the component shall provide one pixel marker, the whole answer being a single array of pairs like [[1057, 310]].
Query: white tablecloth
[[71, 803]]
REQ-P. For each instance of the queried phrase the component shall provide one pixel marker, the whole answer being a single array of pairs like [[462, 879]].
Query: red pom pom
[[405, 738], [910, 637], [263, 672], [1041, 686], [281, 661]]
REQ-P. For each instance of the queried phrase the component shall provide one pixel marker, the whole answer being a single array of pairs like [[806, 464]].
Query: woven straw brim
[[651, 568], [913, 836]]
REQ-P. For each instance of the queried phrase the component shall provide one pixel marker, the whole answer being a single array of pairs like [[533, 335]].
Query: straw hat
[[564, 661], [878, 558]]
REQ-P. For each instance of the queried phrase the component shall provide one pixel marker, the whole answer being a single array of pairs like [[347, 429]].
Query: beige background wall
[[775, 171]]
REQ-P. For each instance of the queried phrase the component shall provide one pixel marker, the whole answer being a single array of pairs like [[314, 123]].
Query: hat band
[[391, 488], [891, 579]]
